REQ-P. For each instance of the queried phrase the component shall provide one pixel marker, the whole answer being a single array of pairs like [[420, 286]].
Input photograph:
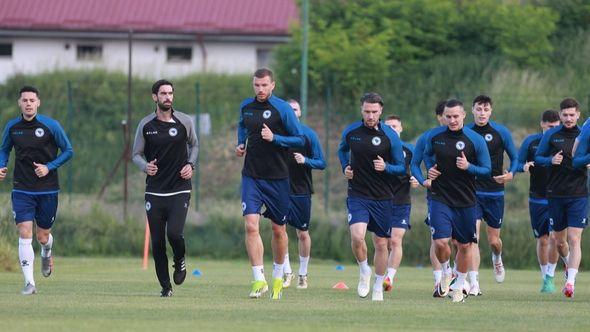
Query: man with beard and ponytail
[[166, 149]]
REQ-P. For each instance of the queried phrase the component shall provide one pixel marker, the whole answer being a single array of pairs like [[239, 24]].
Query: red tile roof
[[259, 17]]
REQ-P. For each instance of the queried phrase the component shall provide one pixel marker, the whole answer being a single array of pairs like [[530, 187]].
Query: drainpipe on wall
[[201, 44]]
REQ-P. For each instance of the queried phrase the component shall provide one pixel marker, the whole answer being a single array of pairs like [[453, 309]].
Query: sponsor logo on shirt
[[39, 132], [155, 132], [460, 145]]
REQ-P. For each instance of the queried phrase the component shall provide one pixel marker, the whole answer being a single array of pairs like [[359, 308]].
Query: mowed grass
[[116, 294]]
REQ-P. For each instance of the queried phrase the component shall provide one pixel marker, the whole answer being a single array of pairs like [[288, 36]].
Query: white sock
[[564, 259], [571, 276], [474, 277], [460, 280], [437, 276], [365, 268], [543, 270], [303, 262], [497, 259], [26, 256], [391, 273], [277, 271], [447, 268], [551, 270], [287, 265], [258, 272], [455, 267], [46, 248], [378, 282]]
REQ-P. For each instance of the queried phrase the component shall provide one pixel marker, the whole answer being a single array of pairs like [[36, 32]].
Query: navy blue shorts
[[539, 211], [401, 216], [490, 207], [274, 194], [447, 222], [41, 208], [568, 212], [376, 213], [300, 212]]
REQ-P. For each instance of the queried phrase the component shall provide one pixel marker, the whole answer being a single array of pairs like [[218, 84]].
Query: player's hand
[[186, 172], [433, 173], [379, 164], [40, 169], [462, 162], [299, 158], [3, 172], [240, 150], [348, 173], [504, 178], [151, 168], [413, 182], [526, 167], [557, 158], [427, 183], [267, 134]]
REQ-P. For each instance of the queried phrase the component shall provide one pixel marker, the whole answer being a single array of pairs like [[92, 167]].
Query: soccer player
[[538, 204], [270, 127], [401, 206], [36, 139], [166, 149], [370, 153], [461, 155], [417, 158], [490, 191], [301, 161], [566, 186]]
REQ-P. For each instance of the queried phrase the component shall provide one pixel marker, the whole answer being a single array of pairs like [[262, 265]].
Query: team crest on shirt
[[460, 145], [488, 137], [148, 206], [266, 114], [39, 132], [173, 132], [376, 141]]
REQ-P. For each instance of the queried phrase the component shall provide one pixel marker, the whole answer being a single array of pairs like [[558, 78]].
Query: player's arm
[[482, 154], [421, 151], [242, 132], [62, 141], [398, 165], [510, 150], [293, 128], [543, 156], [192, 142], [344, 152], [581, 156], [138, 147], [6, 146], [316, 160], [523, 153]]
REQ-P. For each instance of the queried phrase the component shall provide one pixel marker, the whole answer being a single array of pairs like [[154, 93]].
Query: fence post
[[69, 126], [327, 145], [198, 132]]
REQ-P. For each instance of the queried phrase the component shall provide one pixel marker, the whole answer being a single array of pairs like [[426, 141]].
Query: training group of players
[[465, 180]]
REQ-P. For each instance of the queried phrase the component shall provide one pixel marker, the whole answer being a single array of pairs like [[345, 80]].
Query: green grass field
[[116, 294]]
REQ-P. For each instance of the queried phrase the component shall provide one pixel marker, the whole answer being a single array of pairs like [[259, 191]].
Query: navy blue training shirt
[[456, 187], [35, 141], [268, 160], [582, 154], [498, 140], [539, 174], [360, 145], [401, 183], [300, 177], [565, 181]]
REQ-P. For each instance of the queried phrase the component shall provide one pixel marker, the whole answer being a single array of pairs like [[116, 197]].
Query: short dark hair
[[550, 116], [28, 88], [372, 98], [440, 107], [569, 103], [482, 99], [394, 117], [453, 103], [263, 72], [159, 83]]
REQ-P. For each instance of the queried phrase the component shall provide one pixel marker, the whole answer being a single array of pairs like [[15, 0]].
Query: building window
[[89, 52], [179, 54], [263, 58], [6, 50]]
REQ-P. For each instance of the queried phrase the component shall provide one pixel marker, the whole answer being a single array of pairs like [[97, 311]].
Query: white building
[[170, 38]]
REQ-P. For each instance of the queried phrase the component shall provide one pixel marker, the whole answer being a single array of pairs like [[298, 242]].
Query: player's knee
[[251, 227], [42, 237], [395, 242], [303, 236]]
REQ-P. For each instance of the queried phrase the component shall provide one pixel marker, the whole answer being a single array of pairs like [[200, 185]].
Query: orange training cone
[[340, 286]]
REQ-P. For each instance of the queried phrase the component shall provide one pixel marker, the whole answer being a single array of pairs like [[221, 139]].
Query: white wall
[[31, 56]]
